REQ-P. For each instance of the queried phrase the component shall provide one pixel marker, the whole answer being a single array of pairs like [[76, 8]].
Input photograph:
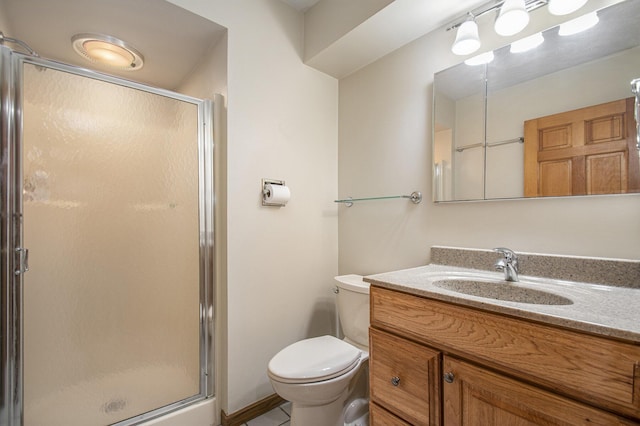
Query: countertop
[[610, 311]]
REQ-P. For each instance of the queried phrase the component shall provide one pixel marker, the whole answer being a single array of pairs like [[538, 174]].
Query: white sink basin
[[501, 290]]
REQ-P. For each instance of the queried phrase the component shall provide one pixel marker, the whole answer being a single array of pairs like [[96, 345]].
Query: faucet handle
[[508, 254], [508, 264]]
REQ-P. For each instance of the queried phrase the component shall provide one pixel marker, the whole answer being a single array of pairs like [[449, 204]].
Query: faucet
[[508, 263]]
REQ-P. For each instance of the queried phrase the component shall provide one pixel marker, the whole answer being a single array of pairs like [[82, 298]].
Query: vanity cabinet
[[460, 365]]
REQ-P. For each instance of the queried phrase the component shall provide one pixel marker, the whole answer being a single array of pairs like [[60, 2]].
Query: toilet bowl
[[326, 378]]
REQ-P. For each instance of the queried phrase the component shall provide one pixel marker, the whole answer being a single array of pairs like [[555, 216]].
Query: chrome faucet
[[508, 263]]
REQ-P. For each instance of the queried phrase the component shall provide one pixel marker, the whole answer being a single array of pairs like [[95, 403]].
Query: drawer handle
[[448, 377], [395, 381]]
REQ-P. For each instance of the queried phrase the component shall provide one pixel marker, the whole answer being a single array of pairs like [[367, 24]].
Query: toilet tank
[[353, 309]]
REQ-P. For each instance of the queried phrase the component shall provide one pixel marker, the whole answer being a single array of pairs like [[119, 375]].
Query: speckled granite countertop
[[600, 309]]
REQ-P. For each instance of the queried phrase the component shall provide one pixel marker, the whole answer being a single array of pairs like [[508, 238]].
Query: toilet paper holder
[[266, 192]]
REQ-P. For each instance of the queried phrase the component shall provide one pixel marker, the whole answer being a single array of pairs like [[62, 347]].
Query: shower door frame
[[13, 262]]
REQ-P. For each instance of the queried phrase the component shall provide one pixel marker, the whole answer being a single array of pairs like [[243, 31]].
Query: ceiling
[[171, 39], [301, 5]]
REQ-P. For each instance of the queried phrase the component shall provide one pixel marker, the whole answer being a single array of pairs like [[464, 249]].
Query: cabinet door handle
[[448, 377], [395, 381]]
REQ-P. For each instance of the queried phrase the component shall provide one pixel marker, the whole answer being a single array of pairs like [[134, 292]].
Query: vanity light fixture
[[107, 50], [527, 43], [481, 59], [565, 7], [512, 17], [578, 25], [467, 38]]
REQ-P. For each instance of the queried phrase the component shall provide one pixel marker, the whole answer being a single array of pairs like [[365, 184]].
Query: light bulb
[[467, 38], [512, 18], [108, 53]]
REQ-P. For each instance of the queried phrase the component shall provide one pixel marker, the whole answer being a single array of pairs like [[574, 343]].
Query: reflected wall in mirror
[[555, 120]]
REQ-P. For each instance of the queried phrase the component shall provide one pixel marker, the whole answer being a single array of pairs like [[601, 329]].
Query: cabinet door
[[475, 396], [405, 378]]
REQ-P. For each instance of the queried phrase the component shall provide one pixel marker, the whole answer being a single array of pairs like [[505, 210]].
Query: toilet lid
[[313, 360]]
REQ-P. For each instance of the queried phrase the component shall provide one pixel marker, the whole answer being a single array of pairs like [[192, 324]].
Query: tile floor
[[277, 417]]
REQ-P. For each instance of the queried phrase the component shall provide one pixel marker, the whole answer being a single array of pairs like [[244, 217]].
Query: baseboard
[[252, 411]]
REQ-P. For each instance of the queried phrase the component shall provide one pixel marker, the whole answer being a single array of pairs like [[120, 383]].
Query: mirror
[[556, 120]]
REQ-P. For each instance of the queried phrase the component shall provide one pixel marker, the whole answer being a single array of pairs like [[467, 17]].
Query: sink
[[502, 290]]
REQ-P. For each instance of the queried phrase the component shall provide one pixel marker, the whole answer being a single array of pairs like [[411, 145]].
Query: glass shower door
[[112, 212]]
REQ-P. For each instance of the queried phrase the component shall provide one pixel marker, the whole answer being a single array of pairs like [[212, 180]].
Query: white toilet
[[325, 378]]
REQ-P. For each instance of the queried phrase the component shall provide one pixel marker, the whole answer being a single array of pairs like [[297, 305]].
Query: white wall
[[5, 25], [210, 75], [385, 148], [281, 124]]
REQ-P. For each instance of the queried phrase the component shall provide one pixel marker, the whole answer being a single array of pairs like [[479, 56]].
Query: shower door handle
[[23, 260]]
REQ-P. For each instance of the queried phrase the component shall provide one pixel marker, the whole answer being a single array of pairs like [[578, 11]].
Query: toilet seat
[[313, 360]]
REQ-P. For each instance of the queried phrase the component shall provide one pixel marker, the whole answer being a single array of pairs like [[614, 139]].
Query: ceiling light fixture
[[565, 7], [107, 50], [467, 38], [512, 18]]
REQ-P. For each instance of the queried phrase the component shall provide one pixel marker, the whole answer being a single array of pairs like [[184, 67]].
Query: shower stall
[[107, 247]]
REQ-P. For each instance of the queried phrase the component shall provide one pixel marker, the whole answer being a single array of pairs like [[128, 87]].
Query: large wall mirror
[[556, 120]]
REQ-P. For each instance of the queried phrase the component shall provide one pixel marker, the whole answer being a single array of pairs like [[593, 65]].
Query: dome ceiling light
[[107, 50]]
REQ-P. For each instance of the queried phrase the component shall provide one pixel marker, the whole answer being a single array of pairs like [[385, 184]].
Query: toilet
[[326, 378]]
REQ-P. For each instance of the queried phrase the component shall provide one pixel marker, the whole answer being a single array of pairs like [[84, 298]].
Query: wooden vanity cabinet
[[458, 365]]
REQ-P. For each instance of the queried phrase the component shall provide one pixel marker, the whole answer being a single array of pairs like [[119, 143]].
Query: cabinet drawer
[[405, 378], [592, 368], [381, 417]]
